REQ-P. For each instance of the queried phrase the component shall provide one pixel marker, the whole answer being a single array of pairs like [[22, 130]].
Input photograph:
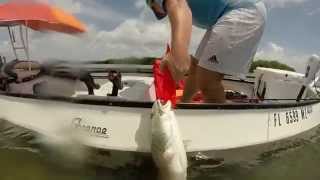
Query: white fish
[[167, 148]]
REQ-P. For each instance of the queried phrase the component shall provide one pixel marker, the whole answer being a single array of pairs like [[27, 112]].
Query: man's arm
[[181, 27]]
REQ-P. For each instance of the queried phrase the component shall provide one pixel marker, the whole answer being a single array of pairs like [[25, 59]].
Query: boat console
[[280, 84]]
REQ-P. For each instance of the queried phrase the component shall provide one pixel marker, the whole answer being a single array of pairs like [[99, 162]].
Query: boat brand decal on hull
[[92, 130], [292, 116]]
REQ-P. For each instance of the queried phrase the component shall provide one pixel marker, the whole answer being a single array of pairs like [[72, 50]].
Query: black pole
[[302, 90]]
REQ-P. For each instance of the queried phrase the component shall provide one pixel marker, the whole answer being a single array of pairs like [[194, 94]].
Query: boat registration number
[[292, 116]]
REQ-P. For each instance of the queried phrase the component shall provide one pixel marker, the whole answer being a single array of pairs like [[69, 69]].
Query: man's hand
[[168, 61], [164, 63]]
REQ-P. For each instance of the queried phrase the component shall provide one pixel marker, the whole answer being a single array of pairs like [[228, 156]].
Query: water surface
[[22, 159]]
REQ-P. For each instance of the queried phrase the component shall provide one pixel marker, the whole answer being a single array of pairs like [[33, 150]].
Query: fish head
[[162, 115]]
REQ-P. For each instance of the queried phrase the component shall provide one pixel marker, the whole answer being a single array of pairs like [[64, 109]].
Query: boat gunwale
[[113, 102]]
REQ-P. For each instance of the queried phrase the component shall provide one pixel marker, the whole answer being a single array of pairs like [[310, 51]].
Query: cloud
[[131, 38], [91, 9], [314, 12], [283, 3], [134, 38], [271, 51], [274, 51], [276, 48], [137, 36], [139, 4], [71, 6]]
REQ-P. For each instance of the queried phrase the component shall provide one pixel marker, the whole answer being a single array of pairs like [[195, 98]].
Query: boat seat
[[52, 86], [70, 73], [20, 71]]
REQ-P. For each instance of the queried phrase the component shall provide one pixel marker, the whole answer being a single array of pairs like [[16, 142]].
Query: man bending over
[[234, 29]]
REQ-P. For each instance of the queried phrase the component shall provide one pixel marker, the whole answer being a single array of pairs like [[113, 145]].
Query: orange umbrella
[[39, 16]]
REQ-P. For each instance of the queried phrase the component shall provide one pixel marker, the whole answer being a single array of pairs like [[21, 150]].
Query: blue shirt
[[206, 13]]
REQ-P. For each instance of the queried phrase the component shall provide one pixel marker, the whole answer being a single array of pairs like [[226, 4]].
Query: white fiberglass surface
[[136, 88]]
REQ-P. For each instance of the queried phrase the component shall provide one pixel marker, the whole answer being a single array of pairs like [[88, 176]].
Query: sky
[[126, 28]]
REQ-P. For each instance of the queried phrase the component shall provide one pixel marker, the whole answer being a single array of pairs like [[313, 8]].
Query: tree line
[[150, 60]]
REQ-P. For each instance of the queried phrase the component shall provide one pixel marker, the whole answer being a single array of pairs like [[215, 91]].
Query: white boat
[[278, 105], [123, 123]]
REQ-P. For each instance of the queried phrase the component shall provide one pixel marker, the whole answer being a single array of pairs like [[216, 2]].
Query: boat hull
[[125, 131]]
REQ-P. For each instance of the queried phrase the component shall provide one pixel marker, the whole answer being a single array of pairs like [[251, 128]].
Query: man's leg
[[191, 82], [210, 84]]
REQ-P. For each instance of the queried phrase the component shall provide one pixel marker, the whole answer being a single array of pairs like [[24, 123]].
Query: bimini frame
[[24, 39]]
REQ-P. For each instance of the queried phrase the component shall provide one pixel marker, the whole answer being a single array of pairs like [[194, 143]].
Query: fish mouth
[[161, 107]]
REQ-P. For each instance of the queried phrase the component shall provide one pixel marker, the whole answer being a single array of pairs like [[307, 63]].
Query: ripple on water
[[24, 157]]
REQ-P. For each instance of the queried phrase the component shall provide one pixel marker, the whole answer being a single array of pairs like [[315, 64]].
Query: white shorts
[[229, 46]]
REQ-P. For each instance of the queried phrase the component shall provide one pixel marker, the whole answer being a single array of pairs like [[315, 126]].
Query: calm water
[[19, 161]]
